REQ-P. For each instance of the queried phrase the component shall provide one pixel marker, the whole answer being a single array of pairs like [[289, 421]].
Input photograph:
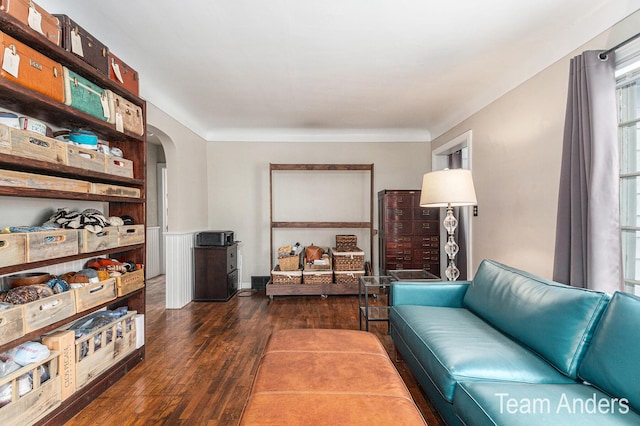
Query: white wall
[[186, 155], [239, 185], [517, 146]]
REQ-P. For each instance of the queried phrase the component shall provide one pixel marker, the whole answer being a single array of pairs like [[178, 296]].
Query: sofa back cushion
[[612, 362], [554, 320]]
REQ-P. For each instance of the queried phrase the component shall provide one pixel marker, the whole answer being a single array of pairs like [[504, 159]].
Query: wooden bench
[[328, 377]]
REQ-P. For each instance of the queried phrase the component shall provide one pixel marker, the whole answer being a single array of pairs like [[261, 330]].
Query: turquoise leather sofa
[[510, 348]]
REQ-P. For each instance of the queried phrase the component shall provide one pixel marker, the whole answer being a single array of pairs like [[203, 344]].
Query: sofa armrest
[[432, 293]]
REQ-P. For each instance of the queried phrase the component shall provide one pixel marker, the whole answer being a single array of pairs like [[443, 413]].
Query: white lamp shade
[[449, 187]]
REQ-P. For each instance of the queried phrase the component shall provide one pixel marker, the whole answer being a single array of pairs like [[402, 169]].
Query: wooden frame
[[303, 289]]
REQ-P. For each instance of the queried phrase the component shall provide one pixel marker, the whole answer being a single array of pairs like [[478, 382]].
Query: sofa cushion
[[484, 404], [553, 319], [611, 362], [455, 345]]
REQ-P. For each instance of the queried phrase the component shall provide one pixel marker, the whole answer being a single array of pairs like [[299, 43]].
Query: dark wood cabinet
[[216, 273], [409, 235]]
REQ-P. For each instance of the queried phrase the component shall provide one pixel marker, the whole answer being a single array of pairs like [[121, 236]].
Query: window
[[628, 95]]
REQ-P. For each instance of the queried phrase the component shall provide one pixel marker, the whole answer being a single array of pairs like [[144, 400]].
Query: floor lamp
[[448, 188]]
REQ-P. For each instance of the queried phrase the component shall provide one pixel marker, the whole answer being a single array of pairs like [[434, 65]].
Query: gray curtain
[[588, 240]]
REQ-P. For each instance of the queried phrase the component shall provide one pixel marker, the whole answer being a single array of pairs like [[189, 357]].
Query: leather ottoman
[[328, 377]]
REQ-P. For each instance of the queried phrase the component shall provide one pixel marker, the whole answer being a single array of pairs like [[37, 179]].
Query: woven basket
[[317, 277], [346, 242], [348, 260], [289, 263], [285, 277], [348, 277]]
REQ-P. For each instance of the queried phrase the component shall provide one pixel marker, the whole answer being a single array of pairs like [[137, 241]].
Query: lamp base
[[452, 272]]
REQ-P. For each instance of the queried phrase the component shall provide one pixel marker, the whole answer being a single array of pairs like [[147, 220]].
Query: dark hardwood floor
[[200, 360]]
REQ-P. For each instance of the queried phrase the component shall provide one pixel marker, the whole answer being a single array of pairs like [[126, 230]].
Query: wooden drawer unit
[[394, 214], [422, 213], [430, 227], [409, 235], [216, 273], [426, 242]]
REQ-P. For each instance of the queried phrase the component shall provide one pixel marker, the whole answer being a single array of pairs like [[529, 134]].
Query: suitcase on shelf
[[34, 16], [125, 114], [78, 41], [85, 96], [30, 68], [123, 74]]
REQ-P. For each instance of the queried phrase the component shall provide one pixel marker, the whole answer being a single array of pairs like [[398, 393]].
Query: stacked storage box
[[348, 260]]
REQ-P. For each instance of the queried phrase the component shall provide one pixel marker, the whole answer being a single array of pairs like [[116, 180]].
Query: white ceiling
[[336, 70]]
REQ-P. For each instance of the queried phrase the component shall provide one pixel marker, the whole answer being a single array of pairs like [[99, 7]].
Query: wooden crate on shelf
[[114, 190], [33, 145], [99, 350], [129, 282], [27, 406], [51, 244], [5, 139], [13, 249], [48, 310], [89, 242], [83, 158], [11, 324], [118, 166], [130, 234], [42, 182], [92, 295]]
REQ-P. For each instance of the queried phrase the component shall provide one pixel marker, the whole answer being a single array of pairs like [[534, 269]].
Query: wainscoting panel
[[179, 266], [153, 252]]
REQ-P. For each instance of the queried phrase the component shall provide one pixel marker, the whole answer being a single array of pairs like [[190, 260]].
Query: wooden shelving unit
[[21, 100], [317, 289]]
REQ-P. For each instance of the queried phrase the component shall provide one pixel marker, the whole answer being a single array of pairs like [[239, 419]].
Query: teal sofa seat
[[608, 395], [505, 328]]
